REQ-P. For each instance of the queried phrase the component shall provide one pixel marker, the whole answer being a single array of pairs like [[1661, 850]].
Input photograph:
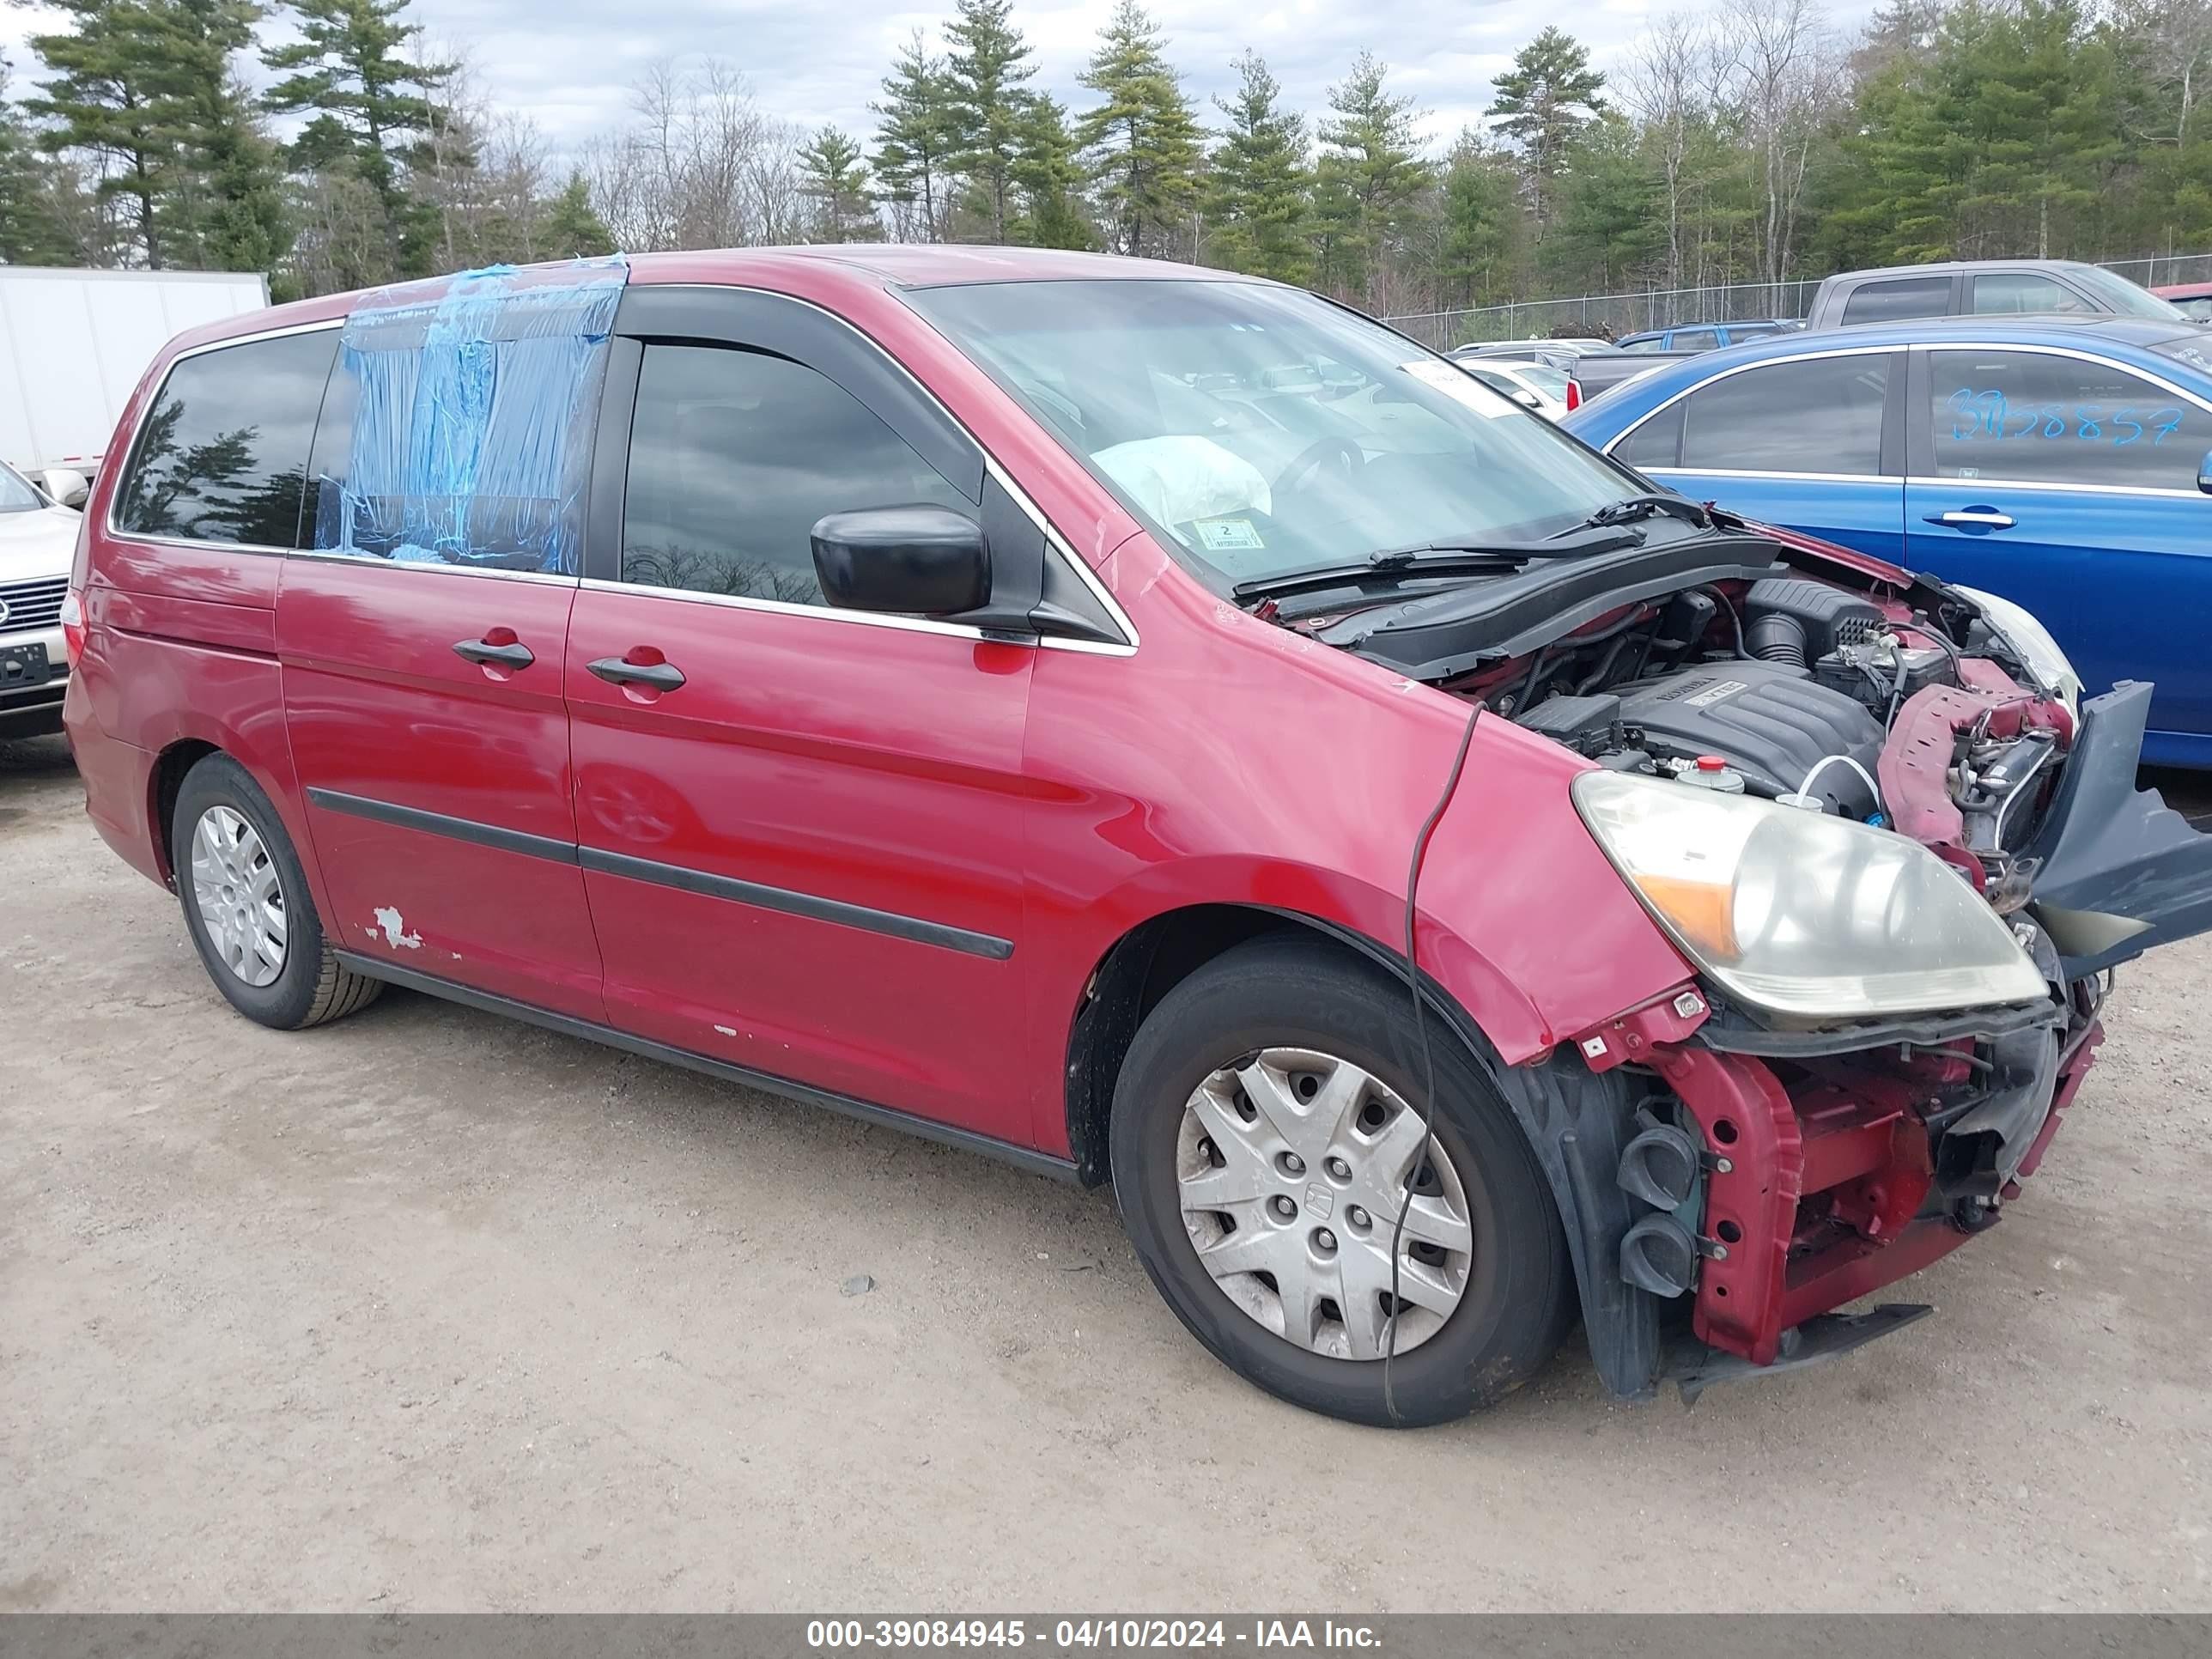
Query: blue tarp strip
[[471, 429]]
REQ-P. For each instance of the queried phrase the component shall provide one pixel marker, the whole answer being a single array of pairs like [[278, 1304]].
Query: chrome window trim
[[1054, 540], [2079, 356], [1657, 410], [1888, 478], [339, 556], [2045, 488], [108, 526], [838, 613]]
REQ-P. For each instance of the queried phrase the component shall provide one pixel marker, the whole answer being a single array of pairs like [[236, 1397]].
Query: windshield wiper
[[1629, 508], [1441, 558]]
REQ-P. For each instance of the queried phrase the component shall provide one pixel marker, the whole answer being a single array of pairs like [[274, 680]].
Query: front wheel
[[1267, 1131]]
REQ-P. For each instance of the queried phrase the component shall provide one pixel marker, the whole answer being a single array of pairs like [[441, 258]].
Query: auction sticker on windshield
[[1228, 535], [1457, 383]]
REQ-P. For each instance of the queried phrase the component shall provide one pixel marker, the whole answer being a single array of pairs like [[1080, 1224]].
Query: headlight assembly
[[1804, 916], [2032, 643]]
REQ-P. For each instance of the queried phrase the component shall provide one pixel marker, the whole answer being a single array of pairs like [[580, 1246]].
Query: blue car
[[2064, 466], [1704, 337]]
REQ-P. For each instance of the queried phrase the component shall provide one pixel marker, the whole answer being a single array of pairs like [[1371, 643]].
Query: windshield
[[1265, 431], [16, 494], [2126, 297]]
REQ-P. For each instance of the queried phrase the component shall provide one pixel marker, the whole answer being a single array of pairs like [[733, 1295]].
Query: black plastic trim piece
[[1441, 634], [943, 1134], [438, 823], [1694, 1367], [1729, 1036], [888, 922]]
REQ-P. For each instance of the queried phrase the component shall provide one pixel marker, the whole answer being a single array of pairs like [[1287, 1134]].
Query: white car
[[38, 538], [1551, 392]]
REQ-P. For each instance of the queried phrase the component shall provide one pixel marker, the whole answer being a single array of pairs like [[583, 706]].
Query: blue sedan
[[2061, 465]]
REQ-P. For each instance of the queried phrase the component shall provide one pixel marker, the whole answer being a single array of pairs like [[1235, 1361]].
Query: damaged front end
[[1904, 856]]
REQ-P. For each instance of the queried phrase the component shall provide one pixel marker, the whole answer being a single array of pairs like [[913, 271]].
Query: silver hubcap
[[1292, 1168], [240, 904]]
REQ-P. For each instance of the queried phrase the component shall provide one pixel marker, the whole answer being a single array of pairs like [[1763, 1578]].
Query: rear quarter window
[[222, 455], [1893, 301]]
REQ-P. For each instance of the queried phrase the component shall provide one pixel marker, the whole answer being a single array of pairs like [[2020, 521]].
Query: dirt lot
[[430, 1311]]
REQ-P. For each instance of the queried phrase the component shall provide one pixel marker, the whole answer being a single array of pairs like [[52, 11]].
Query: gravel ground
[[429, 1310]]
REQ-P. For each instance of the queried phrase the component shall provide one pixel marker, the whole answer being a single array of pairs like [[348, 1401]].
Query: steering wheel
[[1308, 465]]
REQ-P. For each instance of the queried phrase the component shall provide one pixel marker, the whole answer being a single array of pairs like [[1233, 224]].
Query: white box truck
[[74, 343]]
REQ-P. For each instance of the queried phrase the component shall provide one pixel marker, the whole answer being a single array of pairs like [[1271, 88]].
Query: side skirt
[[945, 1134]]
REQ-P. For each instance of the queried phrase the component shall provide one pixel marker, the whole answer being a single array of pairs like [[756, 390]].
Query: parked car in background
[[1705, 337], [1042, 701], [2063, 466], [1983, 288], [38, 534], [1598, 373], [1550, 392], [2192, 300], [1547, 352]]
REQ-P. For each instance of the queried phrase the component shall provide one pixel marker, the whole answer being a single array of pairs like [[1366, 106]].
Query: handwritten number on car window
[[1986, 415]]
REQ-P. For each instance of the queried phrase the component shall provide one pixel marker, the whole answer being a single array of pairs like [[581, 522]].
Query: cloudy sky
[[569, 62]]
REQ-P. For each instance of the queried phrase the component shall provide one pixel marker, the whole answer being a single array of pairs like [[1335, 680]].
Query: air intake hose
[[1776, 636]]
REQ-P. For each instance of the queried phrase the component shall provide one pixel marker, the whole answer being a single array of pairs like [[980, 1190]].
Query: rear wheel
[[246, 904], [1267, 1131]]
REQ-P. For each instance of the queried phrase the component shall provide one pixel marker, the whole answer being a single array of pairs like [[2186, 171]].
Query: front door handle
[[506, 652], [1984, 518], [661, 676]]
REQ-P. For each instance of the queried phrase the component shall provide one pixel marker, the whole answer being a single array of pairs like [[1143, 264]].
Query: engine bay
[[1910, 712]]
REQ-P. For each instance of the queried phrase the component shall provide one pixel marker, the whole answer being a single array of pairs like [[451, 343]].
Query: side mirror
[[2204, 474], [65, 485], [1528, 399], [916, 561]]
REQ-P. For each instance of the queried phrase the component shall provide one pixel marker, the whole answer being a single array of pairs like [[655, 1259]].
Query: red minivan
[[1051, 703]]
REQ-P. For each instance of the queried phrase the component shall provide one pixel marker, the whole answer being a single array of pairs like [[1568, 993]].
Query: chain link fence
[[1609, 316]]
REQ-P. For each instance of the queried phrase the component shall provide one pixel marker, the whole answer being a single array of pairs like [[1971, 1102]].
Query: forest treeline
[[1749, 141]]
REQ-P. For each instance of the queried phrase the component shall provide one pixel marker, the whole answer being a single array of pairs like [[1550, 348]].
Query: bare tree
[[698, 165], [1781, 77], [1666, 85]]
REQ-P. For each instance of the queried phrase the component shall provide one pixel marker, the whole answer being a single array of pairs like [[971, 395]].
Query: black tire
[[312, 985], [1294, 991]]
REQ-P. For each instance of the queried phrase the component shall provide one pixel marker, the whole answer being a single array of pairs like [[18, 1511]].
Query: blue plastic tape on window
[[470, 408]]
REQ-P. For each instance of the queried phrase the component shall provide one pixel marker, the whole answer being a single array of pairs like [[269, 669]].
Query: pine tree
[[571, 229], [1370, 171], [1261, 202], [913, 136], [1609, 224], [34, 230], [226, 195], [1142, 142], [987, 105], [370, 111], [1543, 103], [1480, 229], [835, 177], [1049, 181], [106, 99]]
